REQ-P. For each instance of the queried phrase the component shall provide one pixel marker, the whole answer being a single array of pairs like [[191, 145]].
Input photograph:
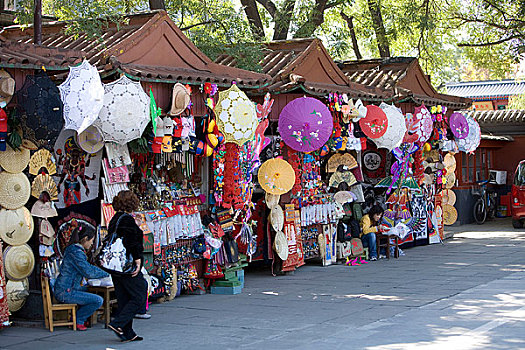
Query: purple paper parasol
[[305, 124], [459, 125]]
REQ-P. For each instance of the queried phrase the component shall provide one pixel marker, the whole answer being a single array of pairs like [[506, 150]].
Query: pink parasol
[[305, 124], [375, 123], [459, 125], [425, 124]]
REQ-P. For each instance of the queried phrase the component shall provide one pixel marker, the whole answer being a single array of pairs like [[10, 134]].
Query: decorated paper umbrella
[[340, 177], [83, 95], [305, 124], [343, 197], [425, 124], [471, 142], [276, 176], [375, 123], [345, 159], [395, 131], [459, 125], [126, 111], [39, 98], [236, 116]]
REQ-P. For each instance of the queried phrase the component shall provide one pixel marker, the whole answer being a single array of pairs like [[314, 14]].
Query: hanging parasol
[[471, 142], [236, 116], [125, 113], [395, 132], [305, 124], [339, 177], [39, 98], [83, 95], [459, 125], [276, 176], [345, 159], [343, 197], [425, 125], [375, 123]]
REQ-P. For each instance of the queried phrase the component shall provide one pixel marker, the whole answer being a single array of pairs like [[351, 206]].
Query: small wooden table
[[104, 292]]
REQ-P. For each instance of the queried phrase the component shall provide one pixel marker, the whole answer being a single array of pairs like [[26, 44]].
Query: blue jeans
[[87, 303], [369, 240]]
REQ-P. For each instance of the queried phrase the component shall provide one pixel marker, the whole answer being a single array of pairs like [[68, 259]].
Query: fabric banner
[[419, 212]]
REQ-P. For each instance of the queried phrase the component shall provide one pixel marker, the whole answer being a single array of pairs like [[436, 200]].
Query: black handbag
[[113, 257]]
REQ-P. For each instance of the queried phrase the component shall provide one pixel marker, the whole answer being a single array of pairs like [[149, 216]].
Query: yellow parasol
[[236, 116], [276, 176]]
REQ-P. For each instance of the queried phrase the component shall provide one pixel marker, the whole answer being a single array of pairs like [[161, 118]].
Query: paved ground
[[468, 293]]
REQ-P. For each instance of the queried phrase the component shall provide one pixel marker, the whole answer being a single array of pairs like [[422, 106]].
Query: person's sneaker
[[81, 327], [381, 256], [373, 258], [143, 316]]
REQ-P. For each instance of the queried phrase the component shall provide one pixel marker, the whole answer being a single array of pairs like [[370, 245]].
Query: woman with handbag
[[130, 288]]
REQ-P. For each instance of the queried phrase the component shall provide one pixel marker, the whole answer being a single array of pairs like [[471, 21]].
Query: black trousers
[[131, 293]]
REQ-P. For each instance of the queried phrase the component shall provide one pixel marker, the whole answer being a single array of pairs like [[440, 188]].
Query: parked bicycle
[[485, 203]]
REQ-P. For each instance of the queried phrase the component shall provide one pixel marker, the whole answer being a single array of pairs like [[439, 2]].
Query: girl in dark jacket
[[130, 290]]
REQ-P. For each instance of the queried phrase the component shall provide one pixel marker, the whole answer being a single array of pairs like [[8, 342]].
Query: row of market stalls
[[231, 166]]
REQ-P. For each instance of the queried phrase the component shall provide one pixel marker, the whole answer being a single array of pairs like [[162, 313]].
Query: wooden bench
[[383, 241], [104, 292], [50, 308]]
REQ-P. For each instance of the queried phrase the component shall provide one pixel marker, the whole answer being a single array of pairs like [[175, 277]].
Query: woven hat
[[15, 190], [14, 161], [42, 159], [272, 200], [321, 240], [16, 226], [180, 99], [47, 233], [280, 245], [28, 144], [449, 197], [7, 87], [43, 209], [451, 180], [44, 183], [277, 218], [19, 262], [450, 214], [17, 293], [449, 162], [90, 140]]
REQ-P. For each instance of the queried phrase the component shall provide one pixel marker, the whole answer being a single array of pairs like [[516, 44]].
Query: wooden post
[[37, 23]]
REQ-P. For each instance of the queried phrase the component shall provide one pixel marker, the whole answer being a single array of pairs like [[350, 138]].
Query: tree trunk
[[37, 23], [350, 22], [252, 13], [282, 20], [315, 19], [379, 28], [157, 5]]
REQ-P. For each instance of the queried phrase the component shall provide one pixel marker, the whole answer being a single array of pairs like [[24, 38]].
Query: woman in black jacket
[[130, 290]]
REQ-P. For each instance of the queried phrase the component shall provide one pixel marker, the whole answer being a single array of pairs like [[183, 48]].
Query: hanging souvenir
[[341, 159], [90, 140], [16, 226], [14, 161], [459, 125], [375, 123], [15, 190], [471, 142], [425, 125], [44, 183], [180, 99], [276, 176], [42, 159], [395, 131]]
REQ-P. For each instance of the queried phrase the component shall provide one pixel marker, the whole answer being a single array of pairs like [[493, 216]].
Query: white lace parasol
[[396, 130]]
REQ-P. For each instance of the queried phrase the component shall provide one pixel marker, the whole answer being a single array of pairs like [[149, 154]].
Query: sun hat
[[15, 190], [272, 200], [180, 99], [90, 140], [449, 197], [277, 218], [43, 209], [450, 214], [7, 87], [280, 245], [14, 161], [16, 226], [47, 233], [450, 180], [19, 262], [44, 183], [42, 159], [17, 293], [449, 161]]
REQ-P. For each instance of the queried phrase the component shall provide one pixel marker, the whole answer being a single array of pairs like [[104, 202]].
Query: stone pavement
[[468, 293]]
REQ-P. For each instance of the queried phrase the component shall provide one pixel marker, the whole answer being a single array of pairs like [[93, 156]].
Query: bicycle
[[485, 204]]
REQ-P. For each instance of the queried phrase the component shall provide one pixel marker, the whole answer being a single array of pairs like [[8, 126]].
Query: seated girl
[[369, 227], [74, 268]]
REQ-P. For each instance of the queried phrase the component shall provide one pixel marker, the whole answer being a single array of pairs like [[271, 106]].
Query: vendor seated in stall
[[370, 225], [74, 268]]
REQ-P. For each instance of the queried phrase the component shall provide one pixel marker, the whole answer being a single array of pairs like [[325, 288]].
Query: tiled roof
[[505, 121], [486, 89], [305, 64], [403, 76], [29, 56], [148, 47]]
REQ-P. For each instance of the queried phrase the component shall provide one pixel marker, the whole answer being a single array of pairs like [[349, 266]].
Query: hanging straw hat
[[17, 293], [42, 159], [280, 245], [449, 162], [30, 145], [19, 262], [16, 226], [271, 200], [277, 218], [90, 140], [43, 209], [14, 161], [180, 99], [7, 88], [450, 214], [449, 197], [14, 190], [44, 183], [451, 180]]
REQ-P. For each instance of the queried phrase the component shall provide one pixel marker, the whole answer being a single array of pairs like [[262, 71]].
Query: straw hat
[[277, 218], [280, 245], [272, 200], [180, 99], [16, 226], [449, 162], [449, 197], [43, 209], [14, 161], [90, 140], [322, 245], [17, 293], [19, 262], [451, 180], [15, 190], [450, 214], [30, 145], [7, 88], [42, 159]]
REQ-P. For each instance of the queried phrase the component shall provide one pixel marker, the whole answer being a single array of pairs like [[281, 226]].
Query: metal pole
[[37, 23]]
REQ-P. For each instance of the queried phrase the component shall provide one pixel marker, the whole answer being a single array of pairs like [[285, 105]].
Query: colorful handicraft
[[395, 131], [424, 123], [400, 169]]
